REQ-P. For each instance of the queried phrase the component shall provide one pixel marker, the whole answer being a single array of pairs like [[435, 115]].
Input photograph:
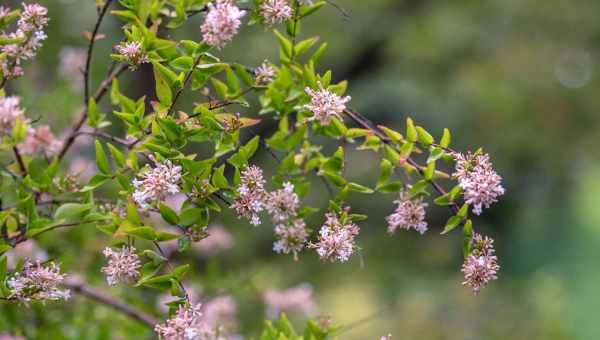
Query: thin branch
[[367, 124], [102, 134], [83, 114], [20, 161], [88, 61], [187, 79], [91, 293]]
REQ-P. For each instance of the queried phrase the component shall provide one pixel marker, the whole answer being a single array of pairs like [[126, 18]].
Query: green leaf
[[168, 214], [95, 182], [92, 113], [72, 211], [284, 43], [117, 155], [424, 136], [193, 216], [411, 132], [218, 178], [163, 90], [467, 236], [101, 160], [429, 171], [359, 188], [452, 223], [445, 140], [183, 63]]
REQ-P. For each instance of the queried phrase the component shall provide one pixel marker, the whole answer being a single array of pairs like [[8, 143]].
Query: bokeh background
[[519, 78]]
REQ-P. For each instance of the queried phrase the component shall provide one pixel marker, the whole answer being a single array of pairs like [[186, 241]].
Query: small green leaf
[[359, 188], [411, 132], [445, 140], [452, 223], [101, 160], [168, 214], [424, 136], [72, 211]]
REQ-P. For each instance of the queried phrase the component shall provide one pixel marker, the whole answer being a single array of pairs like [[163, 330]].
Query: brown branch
[[20, 161], [88, 61], [367, 124], [79, 287], [83, 114]]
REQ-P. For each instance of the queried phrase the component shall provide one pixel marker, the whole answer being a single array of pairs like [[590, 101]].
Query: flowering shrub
[[152, 162]]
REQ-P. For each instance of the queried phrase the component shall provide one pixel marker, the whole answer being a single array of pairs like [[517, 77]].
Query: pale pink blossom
[[409, 214], [265, 73], [222, 22], [251, 200], [294, 300], [283, 204], [40, 140], [480, 183], [156, 183], [220, 313], [37, 282], [325, 104], [276, 11], [123, 265], [187, 324], [336, 239], [133, 53], [481, 266], [28, 249], [10, 111], [291, 237]]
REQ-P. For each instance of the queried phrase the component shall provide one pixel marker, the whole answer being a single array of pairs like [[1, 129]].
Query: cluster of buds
[[480, 183], [409, 214], [37, 282], [186, 324], [264, 74], [123, 265], [132, 53], [222, 23], [481, 266], [25, 41], [290, 230], [157, 183], [325, 104], [276, 11], [336, 238], [252, 194]]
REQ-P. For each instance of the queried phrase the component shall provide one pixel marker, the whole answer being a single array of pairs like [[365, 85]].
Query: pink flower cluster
[[10, 111], [252, 194], [276, 11], [481, 266], [27, 39], [325, 104], [290, 230], [294, 300], [222, 22], [409, 214], [41, 140], [480, 183], [186, 324], [336, 239], [133, 53], [123, 265], [264, 74], [157, 183], [37, 282]]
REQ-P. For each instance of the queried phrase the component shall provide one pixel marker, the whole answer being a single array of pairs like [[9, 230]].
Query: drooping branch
[[79, 287], [367, 124]]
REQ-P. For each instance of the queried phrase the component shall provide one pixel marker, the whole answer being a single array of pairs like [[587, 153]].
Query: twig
[[366, 124], [91, 293], [102, 134], [88, 61], [83, 114], [20, 161], [187, 79]]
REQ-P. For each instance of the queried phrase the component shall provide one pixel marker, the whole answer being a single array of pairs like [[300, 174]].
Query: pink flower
[[295, 300], [123, 265], [10, 111], [276, 11], [133, 53], [291, 237], [336, 239], [264, 74], [409, 214], [222, 22], [481, 266], [155, 184], [480, 183], [37, 282], [186, 324], [251, 200], [283, 204], [325, 104], [40, 140]]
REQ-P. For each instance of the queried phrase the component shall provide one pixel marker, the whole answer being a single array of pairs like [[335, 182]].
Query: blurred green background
[[516, 77]]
